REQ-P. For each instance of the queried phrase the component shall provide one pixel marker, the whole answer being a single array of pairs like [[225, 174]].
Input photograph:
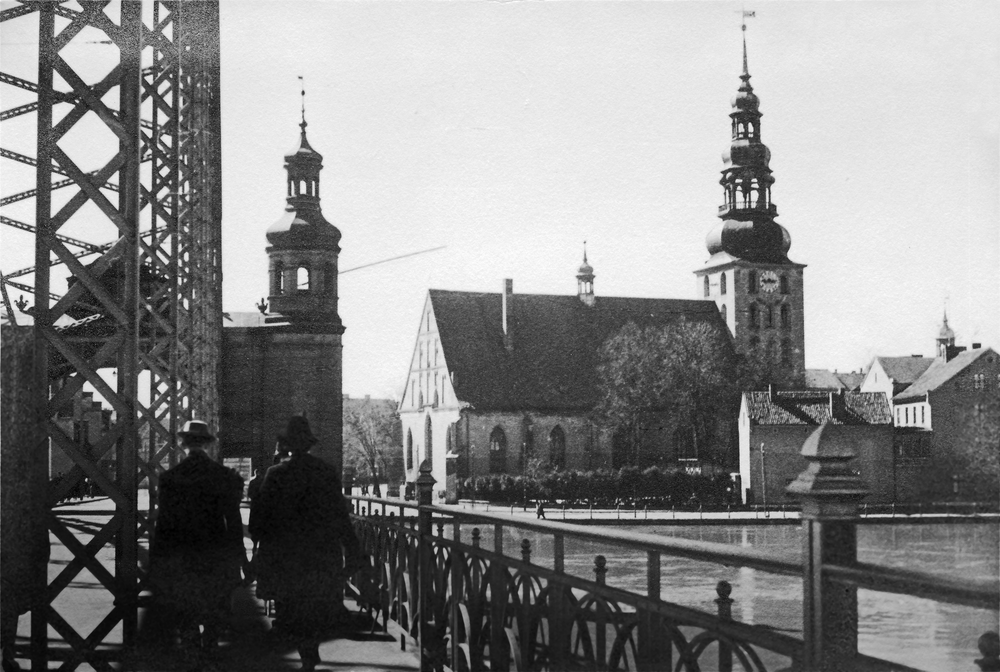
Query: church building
[[287, 359], [758, 289]]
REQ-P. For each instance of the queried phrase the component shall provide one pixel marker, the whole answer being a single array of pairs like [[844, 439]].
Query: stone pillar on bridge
[[830, 490]]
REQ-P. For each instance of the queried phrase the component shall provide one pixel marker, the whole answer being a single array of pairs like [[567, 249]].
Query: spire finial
[[743, 27], [302, 83], [585, 251]]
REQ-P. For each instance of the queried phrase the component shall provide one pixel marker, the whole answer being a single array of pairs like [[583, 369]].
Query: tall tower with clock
[[758, 289]]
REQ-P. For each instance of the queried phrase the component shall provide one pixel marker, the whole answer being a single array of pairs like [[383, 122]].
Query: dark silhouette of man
[[197, 549], [301, 520]]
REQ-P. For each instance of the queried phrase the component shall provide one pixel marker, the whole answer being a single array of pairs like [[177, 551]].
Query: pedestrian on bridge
[[197, 549], [306, 542]]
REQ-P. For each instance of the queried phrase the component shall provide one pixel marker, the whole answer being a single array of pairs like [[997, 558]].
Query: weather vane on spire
[[585, 251], [302, 82]]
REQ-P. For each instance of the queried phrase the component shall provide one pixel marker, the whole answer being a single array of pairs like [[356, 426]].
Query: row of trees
[[628, 486]]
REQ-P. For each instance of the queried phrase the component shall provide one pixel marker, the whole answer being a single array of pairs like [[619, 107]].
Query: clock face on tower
[[768, 281]]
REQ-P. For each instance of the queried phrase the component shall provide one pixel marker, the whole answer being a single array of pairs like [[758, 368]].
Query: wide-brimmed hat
[[196, 429], [297, 434]]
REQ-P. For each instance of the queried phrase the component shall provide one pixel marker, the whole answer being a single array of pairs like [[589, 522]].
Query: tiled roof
[[904, 370], [822, 379], [941, 372], [555, 344], [810, 407], [851, 381]]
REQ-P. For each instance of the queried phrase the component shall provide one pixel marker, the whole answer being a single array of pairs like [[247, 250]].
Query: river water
[[911, 631]]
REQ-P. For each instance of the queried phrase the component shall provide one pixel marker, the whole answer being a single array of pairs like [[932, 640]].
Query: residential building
[[774, 424]]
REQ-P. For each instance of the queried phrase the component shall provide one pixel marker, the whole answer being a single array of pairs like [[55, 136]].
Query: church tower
[[585, 280], [304, 248], [759, 291]]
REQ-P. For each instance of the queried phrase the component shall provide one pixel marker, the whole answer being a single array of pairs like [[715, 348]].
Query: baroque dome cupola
[[748, 230]]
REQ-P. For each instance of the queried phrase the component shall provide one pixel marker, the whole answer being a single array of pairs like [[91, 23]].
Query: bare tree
[[370, 439]]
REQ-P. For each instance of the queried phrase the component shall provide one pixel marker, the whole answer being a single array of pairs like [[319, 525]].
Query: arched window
[[769, 313], [557, 448], [786, 318], [302, 278], [754, 318], [409, 449], [428, 441], [498, 451], [752, 282], [722, 284], [783, 284], [786, 352], [725, 313], [706, 286]]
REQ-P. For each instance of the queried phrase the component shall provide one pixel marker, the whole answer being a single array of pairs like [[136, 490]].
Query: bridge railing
[[469, 606]]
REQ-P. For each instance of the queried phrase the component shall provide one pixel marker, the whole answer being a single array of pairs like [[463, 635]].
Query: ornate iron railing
[[471, 607]]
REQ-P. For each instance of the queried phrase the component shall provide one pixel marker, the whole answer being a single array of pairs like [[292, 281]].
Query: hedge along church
[[498, 381]]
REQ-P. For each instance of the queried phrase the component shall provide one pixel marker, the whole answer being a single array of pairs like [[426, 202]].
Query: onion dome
[[303, 225], [586, 270], [748, 230]]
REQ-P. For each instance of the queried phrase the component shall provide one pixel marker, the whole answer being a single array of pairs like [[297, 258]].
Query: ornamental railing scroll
[[469, 607]]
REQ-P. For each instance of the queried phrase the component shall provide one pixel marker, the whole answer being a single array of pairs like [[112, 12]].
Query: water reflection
[[906, 630]]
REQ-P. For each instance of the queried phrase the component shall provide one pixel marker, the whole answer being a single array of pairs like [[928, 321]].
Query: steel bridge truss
[[147, 309]]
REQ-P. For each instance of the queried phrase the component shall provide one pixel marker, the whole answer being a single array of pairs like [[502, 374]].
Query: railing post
[[654, 652], [829, 490], [498, 603], [725, 605], [457, 594], [425, 491], [600, 616], [559, 630]]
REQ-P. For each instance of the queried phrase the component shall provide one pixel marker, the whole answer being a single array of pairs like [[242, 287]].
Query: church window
[[409, 449], [725, 313], [302, 278], [420, 398], [786, 319], [722, 284], [783, 284], [557, 448], [428, 443], [413, 392], [754, 318], [769, 313], [750, 129], [706, 286], [786, 351], [752, 282], [498, 451]]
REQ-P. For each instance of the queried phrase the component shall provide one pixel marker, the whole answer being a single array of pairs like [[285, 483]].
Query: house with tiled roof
[[498, 380], [892, 375], [773, 425], [939, 416]]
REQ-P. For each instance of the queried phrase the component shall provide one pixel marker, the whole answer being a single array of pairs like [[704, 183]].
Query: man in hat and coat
[[197, 549], [307, 545]]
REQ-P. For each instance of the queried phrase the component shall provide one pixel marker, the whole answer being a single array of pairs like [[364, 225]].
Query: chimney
[[976, 346], [368, 397], [953, 351], [507, 299]]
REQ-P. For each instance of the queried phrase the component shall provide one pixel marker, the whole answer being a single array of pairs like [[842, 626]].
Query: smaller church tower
[[758, 289], [304, 247], [585, 280], [945, 339]]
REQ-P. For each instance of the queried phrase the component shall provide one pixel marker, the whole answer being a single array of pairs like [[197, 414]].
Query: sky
[[510, 132]]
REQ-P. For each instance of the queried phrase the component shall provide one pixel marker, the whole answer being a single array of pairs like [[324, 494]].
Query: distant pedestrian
[[307, 544], [197, 547], [540, 510]]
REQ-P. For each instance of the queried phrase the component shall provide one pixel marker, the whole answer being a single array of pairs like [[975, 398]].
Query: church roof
[[939, 373], [904, 370], [813, 407], [553, 361]]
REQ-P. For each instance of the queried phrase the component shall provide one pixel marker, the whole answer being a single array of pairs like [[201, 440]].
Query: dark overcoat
[[197, 548], [301, 519]]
